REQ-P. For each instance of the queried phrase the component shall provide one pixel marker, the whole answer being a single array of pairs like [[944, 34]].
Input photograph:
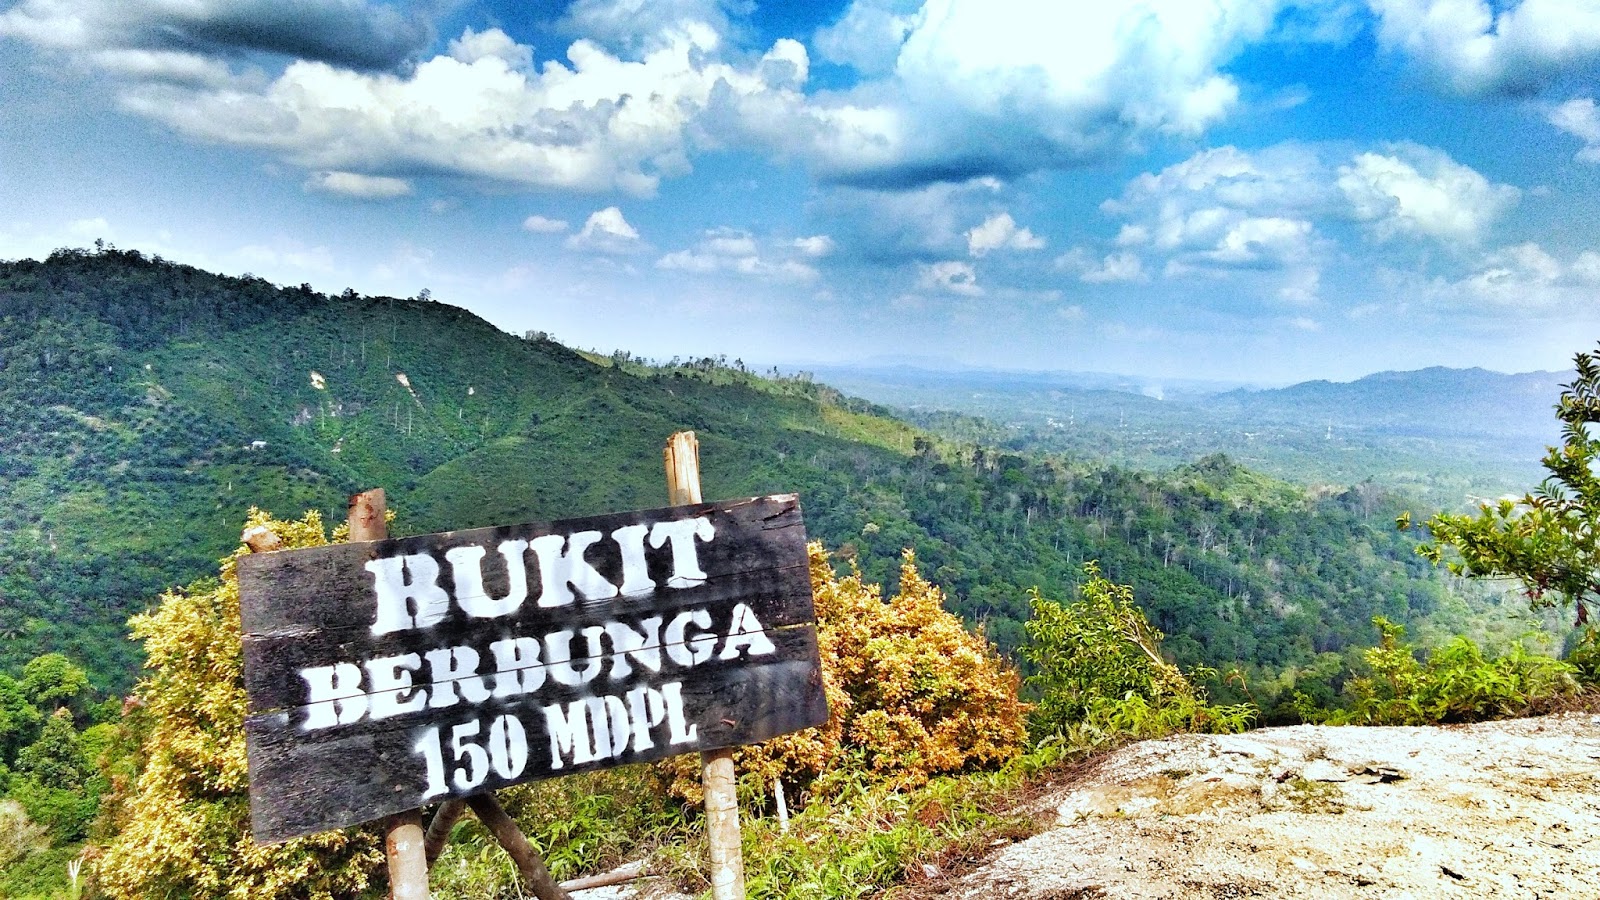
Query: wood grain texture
[[302, 783], [315, 608]]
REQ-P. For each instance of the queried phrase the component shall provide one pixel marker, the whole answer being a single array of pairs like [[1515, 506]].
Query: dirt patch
[[1503, 809]]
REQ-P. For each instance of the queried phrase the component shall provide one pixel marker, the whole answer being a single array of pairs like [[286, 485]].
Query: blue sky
[[1250, 190]]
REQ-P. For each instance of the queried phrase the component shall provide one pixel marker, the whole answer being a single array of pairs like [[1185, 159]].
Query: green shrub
[[182, 824], [912, 692], [1099, 672], [1457, 683], [1585, 656]]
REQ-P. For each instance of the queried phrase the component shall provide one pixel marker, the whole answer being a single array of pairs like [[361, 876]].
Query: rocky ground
[[1502, 809]]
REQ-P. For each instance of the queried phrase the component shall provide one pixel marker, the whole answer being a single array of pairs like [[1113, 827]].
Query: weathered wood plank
[[327, 587], [777, 598], [797, 642], [381, 675], [356, 774]]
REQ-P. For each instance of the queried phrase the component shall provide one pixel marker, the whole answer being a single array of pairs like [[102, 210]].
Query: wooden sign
[[386, 675]]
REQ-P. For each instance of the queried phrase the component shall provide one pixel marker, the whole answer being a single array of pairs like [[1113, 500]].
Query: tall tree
[[1550, 539]]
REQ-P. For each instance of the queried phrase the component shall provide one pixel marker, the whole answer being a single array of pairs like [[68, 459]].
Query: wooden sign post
[[386, 675], [402, 832], [717, 777]]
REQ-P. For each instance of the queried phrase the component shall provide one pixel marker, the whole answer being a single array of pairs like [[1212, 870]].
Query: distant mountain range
[[1448, 435]]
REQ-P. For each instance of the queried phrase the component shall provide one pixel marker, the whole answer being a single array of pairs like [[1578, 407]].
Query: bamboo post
[[439, 827], [682, 457], [783, 805], [529, 863], [403, 840]]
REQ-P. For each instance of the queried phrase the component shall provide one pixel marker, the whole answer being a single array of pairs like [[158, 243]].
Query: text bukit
[[623, 672]]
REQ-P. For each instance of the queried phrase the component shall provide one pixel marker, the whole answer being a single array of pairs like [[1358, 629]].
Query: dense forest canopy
[[150, 404]]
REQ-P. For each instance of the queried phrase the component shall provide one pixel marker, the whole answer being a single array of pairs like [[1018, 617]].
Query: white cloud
[[737, 252], [998, 232], [1586, 268], [642, 25], [287, 256], [1302, 287], [954, 276], [1509, 273], [96, 227], [596, 121], [167, 66], [1224, 213], [1579, 118], [918, 224], [1259, 241], [1006, 87], [606, 231], [869, 34], [1284, 178], [816, 246], [1474, 47], [1522, 277], [542, 225], [472, 46], [1227, 209], [1415, 190], [358, 186], [1117, 267], [1121, 266]]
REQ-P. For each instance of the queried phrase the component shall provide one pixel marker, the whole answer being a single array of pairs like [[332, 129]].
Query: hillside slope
[[149, 404]]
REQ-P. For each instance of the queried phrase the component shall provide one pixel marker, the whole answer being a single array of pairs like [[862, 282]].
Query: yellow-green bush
[[183, 827], [912, 693]]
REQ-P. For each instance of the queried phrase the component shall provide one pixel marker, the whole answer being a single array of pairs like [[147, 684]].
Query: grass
[[876, 837]]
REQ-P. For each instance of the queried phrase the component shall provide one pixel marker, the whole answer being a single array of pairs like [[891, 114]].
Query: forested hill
[[132, 392], [1448, 436]]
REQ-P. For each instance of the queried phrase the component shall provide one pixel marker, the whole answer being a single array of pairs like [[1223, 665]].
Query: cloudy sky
[[1256, 190]]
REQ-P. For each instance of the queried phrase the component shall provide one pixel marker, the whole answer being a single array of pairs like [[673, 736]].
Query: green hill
[[147, 405]]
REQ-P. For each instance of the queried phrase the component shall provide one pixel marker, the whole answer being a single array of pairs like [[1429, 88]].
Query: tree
[[912, 693], [1550, 539], [52, 780], [52, 681], [1099, 670], [19, 719]]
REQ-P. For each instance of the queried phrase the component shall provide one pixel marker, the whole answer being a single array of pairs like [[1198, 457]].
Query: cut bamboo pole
[[633, 871], [682, 456], [783, 805], [439, 827], [529, 863], [403, 840]]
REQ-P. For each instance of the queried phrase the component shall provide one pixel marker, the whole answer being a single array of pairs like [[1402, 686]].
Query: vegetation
[[1443, 436], [155, 402], [1549, 540], [913, 695], [55, 743], [1100, 671], [140, 389], [1456, 683], [182, 826]]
